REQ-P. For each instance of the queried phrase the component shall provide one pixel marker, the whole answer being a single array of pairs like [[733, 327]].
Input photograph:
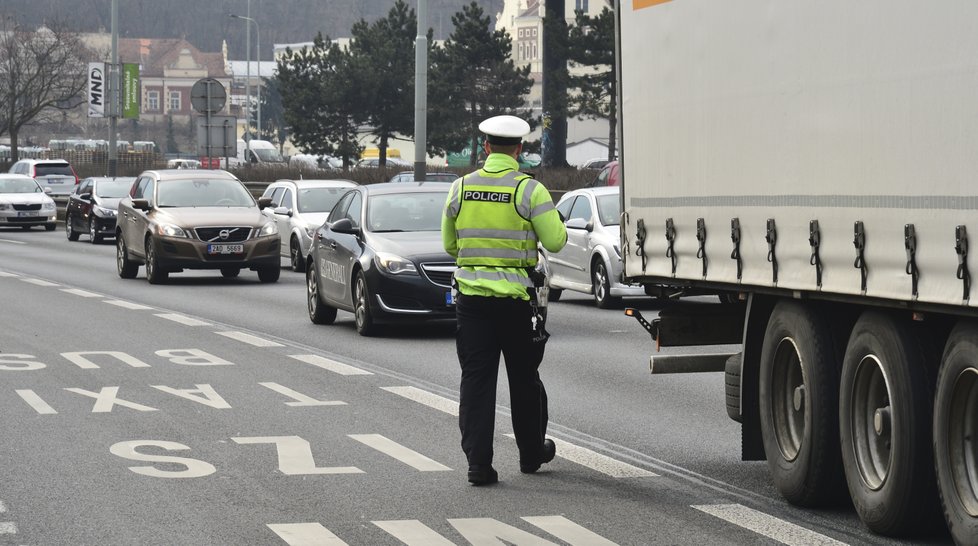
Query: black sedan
[[379, 255], [93, 206]]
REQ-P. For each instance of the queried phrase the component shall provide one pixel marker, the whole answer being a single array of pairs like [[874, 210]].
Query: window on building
[[521, 33], [153, 101], [175, 100], [522, 55], [534, 33], [580, 5], [534, 56]]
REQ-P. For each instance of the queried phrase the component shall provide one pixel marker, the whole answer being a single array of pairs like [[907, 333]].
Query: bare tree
[[41, 73]]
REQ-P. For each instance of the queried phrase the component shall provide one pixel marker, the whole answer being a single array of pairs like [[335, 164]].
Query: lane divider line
[[415, 394], [767, 525], [182, 319], [39, 282], [128, 305], [80, 292], [5, 274], [330, 365], [249, 339], [596, 461], [11, 241]]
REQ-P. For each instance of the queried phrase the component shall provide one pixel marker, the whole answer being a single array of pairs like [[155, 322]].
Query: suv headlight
[[271, 228], [394, 264], [103, 212], [170, 230]]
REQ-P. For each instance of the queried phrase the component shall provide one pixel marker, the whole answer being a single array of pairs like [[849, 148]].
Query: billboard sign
[[97, 90], [130, 91]]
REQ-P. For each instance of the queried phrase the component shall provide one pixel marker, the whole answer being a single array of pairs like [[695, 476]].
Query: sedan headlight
[[170, 230], [271, 228], [103, 212], [394, 264], [49, 205]]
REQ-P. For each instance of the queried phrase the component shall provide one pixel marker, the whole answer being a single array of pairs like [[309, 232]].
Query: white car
[[299, 207], [24, 203]]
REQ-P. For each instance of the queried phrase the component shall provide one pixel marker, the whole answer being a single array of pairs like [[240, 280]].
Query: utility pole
[[421, 93], [114, 86], [554, 85]]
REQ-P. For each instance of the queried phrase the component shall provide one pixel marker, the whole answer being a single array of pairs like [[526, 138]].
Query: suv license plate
[[225, 249]]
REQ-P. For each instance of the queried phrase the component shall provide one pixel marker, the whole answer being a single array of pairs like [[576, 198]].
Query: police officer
[[493, 220]]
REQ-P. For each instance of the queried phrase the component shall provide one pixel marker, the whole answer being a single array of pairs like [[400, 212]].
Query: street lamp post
[[257, 87]]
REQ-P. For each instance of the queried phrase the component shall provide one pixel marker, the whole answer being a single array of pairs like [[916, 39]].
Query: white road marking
[[596, 461], [3, 507], [5, 274], [568, 531], [107, 398], [127, 305], [413, 533], [769, 526], [331, 365], [13, 243], [488, 532], [39, 405], [8, 528], [249, 339], [299, 398], [439, 403], [39, 282], [397, 451], [305, 534], [295, 456], [182, 319], [80, 292]]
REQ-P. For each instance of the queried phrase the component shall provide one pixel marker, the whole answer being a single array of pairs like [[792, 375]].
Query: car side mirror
[[264, 202], [283, 210], [345, 225], [580, 223], [561, 215], [48, 191], [140, 204], [85, 196]]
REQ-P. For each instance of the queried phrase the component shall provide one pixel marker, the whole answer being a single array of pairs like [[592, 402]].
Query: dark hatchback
[[379, 255], [93, 206]]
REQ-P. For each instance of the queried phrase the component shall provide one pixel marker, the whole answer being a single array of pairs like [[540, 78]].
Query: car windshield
[[609, 209], [270, 155], [319, 199], [113, 188], [405, 211], [48, 169], [11, 185], [202, 192]]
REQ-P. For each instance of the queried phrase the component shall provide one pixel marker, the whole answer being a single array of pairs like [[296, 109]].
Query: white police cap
[[505, 129]]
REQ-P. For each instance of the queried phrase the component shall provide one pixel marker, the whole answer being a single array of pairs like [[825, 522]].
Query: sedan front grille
[[223, 234], [439, 273], [31, 206]]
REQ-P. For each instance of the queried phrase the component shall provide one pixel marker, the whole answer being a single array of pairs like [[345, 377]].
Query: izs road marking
[[439, 403], [249, 339], [295, 456], [596, 461], [769, 526], [80, 292], [330, 365], [182, 319], [128, 305], [39, 282], [397, 451]]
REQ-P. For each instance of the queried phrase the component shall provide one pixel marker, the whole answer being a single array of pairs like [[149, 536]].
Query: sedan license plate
[[225, 249], [27, 213]]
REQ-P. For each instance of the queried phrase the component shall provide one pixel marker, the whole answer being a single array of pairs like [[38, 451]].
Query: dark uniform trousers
[[488, 326]]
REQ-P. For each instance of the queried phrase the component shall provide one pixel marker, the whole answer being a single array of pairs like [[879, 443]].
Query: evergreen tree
[[273, 112], [593, 94], [473, 78]]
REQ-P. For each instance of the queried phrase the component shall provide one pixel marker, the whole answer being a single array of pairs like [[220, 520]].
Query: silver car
[[299, 207], [591, 260], [24, 204]]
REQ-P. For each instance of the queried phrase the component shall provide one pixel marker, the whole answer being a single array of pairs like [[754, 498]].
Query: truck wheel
[[885, 425], [732, 386], [799, 404], [319, 312], [956, 433]]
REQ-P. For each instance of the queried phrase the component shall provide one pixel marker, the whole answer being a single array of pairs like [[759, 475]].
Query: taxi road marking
[[769, 526], [188, 321], [80, 292], [127, 305], [36, 403], [596, 461], [331, 365], [439, 403], [249, 339], [397, 451], [39, 282]]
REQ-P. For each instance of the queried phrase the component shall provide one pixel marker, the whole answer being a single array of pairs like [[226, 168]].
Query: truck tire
[[799, 403], [886, 398], [955, 427], [731, 380]]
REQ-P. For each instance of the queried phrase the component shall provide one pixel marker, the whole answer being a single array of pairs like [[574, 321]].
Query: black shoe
[[482, 474], [547, 455]]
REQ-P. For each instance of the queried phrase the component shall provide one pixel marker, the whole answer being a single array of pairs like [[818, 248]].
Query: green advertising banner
[[130, 91]]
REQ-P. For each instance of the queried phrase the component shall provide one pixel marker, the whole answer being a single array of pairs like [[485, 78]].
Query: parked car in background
[[610, 175], [56, 174], [299, 207], [194, 219], [182, 163], [23, 203], [590, 262], [92, 207], [595, 163], [408, 176], [380, 256], [392, 162]]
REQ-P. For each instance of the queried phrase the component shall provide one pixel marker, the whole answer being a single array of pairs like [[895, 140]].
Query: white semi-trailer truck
[[816, 165]]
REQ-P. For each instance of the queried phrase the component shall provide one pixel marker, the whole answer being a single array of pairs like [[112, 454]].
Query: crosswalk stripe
[[330, 365], [182, 319], [413, 533], [767, 525], [424, 397], [596, 461], [249, 339], [39, 282], [397, 451], [8, 528], [80, 292], [127, 305], [305, 534]]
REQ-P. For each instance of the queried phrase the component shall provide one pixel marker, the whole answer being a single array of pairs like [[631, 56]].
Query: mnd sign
[[97, 91]]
